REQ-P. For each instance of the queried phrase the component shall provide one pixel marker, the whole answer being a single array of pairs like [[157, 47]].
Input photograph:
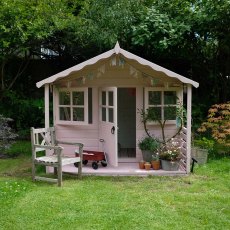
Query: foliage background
[[189, 37]]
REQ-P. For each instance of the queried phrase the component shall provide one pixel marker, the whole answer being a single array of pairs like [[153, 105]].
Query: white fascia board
[[75, 68], [158, 68], [117, 50]]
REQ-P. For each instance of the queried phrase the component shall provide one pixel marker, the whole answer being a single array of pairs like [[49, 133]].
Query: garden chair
[[43, 139]]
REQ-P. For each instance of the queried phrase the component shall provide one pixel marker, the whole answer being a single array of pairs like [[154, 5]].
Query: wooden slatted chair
[[43, 139]]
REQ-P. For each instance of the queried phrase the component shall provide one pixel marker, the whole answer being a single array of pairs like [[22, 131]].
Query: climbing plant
[[150, 115]]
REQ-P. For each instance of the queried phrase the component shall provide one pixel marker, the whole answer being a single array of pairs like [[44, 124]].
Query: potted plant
[[200, 149], [148, 146], [147, 166], [170, 155], [142, 164], [156, 162]]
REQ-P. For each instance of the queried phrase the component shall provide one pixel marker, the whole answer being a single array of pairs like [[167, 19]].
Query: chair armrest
[[47, 147], [80, 145], [57, 150], [70, 143]]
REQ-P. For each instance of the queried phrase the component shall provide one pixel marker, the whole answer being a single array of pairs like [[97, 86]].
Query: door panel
[[108, 122]]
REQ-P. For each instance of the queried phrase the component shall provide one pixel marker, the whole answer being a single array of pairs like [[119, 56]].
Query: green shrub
[[21, 147], [7, 135], [204, 143], [218, 123], [26, 112], [149, 143]]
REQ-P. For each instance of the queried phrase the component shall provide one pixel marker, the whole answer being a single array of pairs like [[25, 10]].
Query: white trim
[[178, 91], [85, 106], [54, 105], [47, 116], [116, 51], [107, 106], [75, 68], [189, 118], [111, 140], [158, 68]]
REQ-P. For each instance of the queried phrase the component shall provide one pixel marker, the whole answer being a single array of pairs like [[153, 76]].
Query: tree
[[195, 32], [213, 36], [24, 25], [103, 23], [158, 30], [161, 31]]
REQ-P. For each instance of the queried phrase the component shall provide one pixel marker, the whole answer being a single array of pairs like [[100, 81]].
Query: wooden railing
[[183, 161]]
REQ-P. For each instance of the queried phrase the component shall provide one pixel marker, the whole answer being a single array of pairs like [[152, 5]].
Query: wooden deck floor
[[123, 169]]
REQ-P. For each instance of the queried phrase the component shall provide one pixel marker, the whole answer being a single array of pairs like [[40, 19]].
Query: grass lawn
[[197, 201]]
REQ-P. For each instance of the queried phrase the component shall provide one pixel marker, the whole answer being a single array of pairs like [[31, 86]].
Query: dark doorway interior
[[126, 122]]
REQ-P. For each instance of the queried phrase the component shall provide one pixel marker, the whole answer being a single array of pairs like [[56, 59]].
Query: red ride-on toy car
[[95, 156]]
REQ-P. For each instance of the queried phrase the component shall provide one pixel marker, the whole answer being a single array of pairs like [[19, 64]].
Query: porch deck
[[123, 169]]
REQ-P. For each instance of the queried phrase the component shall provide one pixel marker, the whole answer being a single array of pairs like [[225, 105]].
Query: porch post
[[189, 122], [47, 116]]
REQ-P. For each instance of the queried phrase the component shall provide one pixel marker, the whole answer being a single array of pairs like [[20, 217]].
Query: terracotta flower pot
[[156, 165], [142, 164], [147, 166]]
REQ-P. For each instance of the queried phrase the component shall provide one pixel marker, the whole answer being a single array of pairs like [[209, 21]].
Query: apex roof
[[116, 50]]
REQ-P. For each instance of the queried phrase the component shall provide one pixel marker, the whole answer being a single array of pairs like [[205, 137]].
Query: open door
[[108, 122], [126, 118]]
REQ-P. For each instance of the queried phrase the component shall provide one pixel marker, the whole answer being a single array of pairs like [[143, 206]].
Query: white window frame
[[179, 94], [106, 106], [71, 106]]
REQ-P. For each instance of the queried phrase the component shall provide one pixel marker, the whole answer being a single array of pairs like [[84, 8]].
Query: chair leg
[[33, 171], [59, 169], [79, 170]]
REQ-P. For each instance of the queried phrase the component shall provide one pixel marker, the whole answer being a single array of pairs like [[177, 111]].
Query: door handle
[[113, 130]]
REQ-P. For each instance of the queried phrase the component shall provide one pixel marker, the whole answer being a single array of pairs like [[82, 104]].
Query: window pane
[[170, 98], [103, 114], [64, 98], [78, 114], [154, 113], [154, 98], [103, 98], [170, 113], [90, 106], [110, 115], [64, 113], [78, 98], [110, 98]]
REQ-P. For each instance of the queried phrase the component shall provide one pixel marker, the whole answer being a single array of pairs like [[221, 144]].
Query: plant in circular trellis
[[152, 116], [218, 123]]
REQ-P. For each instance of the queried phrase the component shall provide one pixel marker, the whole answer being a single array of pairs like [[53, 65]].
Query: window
[[162, 103], [107, 106], [73, 105]]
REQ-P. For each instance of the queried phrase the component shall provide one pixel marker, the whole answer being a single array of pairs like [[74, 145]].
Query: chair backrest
[[43, 137]]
